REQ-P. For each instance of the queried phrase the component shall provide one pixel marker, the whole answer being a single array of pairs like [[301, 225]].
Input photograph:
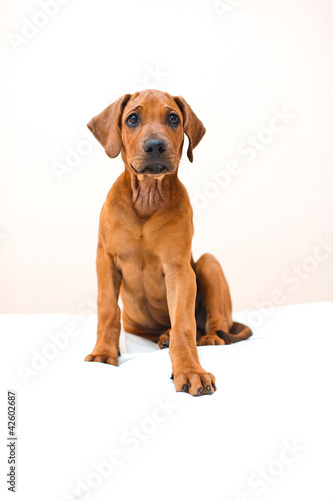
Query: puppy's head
[[148, 129]]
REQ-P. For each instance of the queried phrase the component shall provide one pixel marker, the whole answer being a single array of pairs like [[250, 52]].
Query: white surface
[[234, 71], [272, 389]]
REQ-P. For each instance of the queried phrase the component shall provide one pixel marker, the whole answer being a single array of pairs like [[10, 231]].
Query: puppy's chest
[[133, 246]]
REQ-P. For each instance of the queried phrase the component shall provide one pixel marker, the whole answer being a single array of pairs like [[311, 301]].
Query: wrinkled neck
[[150, 193]]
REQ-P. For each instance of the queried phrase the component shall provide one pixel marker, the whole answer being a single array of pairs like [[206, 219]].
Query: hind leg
[[215, 298]]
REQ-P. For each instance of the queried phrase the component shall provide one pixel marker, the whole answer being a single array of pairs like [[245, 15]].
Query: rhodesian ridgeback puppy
[[144, 242]]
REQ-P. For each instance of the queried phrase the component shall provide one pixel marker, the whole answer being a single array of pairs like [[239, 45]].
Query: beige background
[[238, 64]]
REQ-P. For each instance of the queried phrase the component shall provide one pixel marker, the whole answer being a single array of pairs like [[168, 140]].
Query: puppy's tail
[[238, 332]]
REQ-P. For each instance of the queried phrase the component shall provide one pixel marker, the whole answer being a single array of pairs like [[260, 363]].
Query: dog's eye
[[173, 120], [132, 120]]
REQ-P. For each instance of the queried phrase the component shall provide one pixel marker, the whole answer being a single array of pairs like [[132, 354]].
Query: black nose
[[155, 147]]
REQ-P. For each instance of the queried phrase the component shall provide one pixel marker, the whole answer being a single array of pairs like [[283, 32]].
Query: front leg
[[188, 374], [106, 349]]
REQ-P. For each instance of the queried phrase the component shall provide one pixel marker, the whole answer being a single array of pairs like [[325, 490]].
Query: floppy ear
[[106, 126], [193, 127]]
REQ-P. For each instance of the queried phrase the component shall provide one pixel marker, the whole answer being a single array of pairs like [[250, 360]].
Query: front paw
[[103, 356], [196, 382]]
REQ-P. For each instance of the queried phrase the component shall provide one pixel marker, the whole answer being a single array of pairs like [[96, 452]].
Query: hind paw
[[210, 339], [163, 341]]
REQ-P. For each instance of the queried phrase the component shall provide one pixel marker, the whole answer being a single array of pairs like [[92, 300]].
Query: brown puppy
[[144, 244]]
